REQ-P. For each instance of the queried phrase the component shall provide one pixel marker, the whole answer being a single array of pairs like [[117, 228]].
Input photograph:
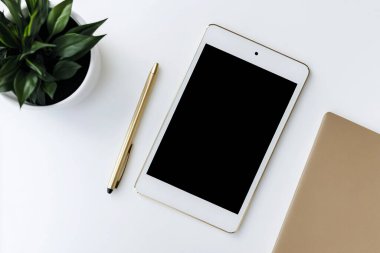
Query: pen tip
[[154, 68], [109, 191]]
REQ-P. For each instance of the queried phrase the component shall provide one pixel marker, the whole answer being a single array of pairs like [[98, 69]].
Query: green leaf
[[33, 97], [10, 63], [24, 84], [50, 88], [7, 38], [40, 6], [6, 86], [7, 73], [14, 8], [58, 17], [48, 77], [87, 29], [31, 5], [65, 69], [36, 67], [13, 29], [43, 11], [33, 27], [40, 96], [37, 19], [74, 46], [35, 47]]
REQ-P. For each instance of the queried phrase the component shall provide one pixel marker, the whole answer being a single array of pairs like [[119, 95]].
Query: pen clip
[[126, 161]]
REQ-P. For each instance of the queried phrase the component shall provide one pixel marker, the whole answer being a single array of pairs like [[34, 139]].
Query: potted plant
[[45, 52]]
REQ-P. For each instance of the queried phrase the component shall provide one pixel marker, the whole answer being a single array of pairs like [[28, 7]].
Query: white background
[[55, 164]]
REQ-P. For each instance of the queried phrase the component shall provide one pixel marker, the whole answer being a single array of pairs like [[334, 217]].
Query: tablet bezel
[[245, 49]]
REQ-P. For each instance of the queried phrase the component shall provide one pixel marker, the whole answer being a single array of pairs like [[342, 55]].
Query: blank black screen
[[221, 129]]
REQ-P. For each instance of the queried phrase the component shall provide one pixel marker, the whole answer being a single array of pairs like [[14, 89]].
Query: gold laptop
[[336, 208]]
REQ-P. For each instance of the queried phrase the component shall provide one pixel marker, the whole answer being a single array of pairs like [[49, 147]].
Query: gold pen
[[118, 171]]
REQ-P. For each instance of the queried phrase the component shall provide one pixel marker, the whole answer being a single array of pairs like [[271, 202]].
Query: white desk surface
[[55, 164]]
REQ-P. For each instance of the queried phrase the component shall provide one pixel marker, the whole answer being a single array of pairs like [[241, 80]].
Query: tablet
[[222, 128]]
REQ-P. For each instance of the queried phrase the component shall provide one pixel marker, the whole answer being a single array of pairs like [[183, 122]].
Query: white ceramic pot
[[83, 90]]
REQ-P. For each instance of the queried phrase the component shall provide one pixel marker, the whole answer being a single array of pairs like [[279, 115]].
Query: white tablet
[[222, 128]]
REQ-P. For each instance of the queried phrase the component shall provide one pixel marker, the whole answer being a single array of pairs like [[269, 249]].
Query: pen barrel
[[127, 144]]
